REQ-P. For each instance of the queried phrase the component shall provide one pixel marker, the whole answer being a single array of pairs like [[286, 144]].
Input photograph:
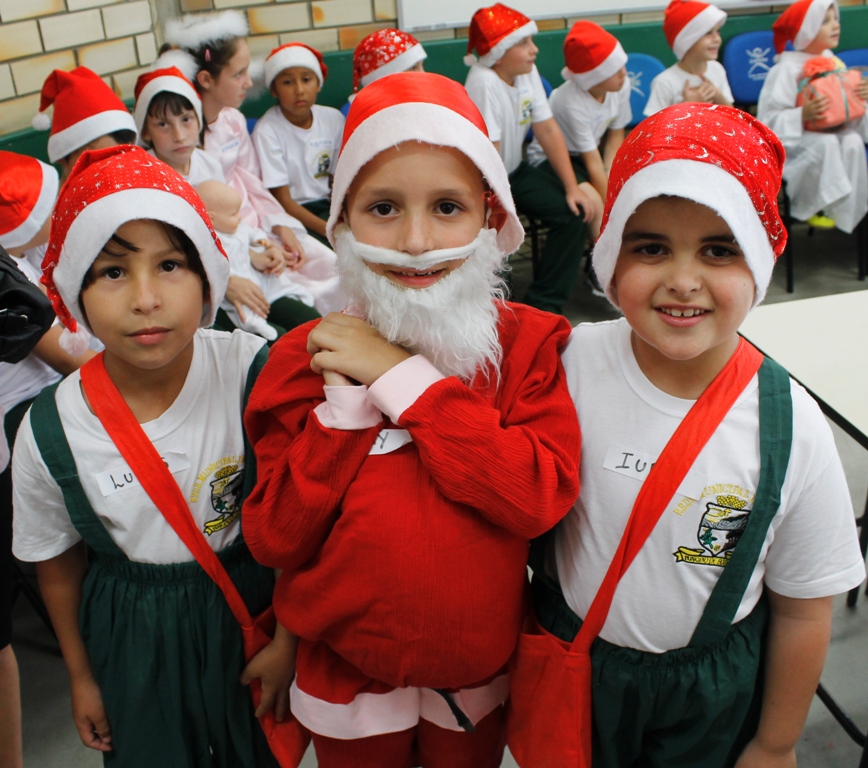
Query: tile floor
[[825, 264]]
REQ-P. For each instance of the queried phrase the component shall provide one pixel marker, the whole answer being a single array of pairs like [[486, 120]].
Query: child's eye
[[650, 249], [721, 252], [111, 273], [382, 209], [448, 208], [171, 265]]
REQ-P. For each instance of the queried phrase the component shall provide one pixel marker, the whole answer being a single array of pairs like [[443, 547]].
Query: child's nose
[[415, 236], [683, 278], [146, 296]]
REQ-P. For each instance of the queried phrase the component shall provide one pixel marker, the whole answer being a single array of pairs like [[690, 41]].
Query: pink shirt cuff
[[397, 389], [347, 408]]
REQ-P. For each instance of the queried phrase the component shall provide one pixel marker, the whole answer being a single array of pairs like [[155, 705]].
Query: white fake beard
[[452, 322]]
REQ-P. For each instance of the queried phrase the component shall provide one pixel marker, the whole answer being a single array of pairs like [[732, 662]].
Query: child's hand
[[585, 201], [704, 92], [757, 756], [241, 292], [350, 346], [334, 379], [293, 252], [814, 107], [862, 88], [269, 261], [88, 714], [274, 667]]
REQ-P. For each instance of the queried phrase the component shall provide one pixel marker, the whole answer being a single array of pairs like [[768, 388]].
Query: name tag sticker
[[121, 476], [637, 465], [389, 440]]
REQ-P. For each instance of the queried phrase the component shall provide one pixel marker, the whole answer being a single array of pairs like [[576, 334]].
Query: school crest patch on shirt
[[720, 528]]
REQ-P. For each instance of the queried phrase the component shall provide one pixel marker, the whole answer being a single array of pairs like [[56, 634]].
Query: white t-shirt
[[199, 436], [811, 549], [203, 167], [668, 87], [299, 158], [582, 119], [508, 110]]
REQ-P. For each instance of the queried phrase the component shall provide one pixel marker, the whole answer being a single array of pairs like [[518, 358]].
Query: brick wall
[[119, 38]]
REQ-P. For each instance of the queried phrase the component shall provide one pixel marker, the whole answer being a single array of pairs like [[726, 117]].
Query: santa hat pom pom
[[41, 121], [470, 60], [74, 343], [175, 57], [256, 70]]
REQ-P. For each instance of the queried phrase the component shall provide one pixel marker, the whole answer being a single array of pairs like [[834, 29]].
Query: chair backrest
[[641, 69], [251, 122], [855, 57], [547, 87], [747, 60]]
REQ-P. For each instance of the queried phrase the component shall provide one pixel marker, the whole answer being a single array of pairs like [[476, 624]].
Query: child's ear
[[272, 90], [203, 77]]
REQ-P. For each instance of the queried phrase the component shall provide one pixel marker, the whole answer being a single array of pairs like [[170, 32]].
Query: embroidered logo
[[720, 529], [323, 164], [225, 497]]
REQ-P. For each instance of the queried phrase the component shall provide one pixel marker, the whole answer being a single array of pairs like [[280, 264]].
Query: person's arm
[[798, 638], [552, 141], [60, 580], [777, 104], [311, 221], [241, 293], [274, 667], [614, 140], [597, 171], [49, 351]]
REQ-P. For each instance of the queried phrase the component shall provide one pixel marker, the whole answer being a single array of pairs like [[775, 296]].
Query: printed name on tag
[[121, 476], [389, 440], [637, 465]]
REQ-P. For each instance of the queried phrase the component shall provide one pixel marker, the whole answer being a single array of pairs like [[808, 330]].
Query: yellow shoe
[[820, 221]]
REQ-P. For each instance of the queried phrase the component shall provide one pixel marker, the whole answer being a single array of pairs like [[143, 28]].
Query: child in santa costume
[[87, 115], [504, 83], [297, 140], [700, 619], [153, 652], [826, 171], [692, 30], [409, 448], [219, 62], [592, 107]]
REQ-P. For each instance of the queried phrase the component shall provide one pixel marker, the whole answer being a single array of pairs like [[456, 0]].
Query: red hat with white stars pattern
[[493, 31], [686, 21], [385, 52], [719, 157], [107, 188], [295, 55], [592, 55], [28, 188], [800, 23]]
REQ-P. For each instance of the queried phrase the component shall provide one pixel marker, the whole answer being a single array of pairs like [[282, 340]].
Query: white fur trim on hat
[[85, 131], [195, 30], [812, 22], [291, 56], [431, 124], [497, 51], [172, 84], [703, 183], [699, 26], [26, 231], [181, 59], [603, 71], [95, 225], [401, 63]]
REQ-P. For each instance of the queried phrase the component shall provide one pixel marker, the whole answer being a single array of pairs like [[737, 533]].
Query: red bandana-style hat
[[592, 55], [294, 55], [493, 31], [800, 23], [429, 108], [169, 79], [28, 189], [719, 157], [686, 21], [385, 52], [85, 108], [107, 188]]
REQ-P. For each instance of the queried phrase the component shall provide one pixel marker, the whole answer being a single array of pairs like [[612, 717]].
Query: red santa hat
[[28, 189], [294, 55], [493, 31], [107, 188], [592, 55], [85, 108], [385, 52], [195, 31], [169, 79], [429, 108], [800, 23], [719, 157], [686, 21]]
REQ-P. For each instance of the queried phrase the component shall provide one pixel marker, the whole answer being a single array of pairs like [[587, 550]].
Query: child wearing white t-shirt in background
[[692, 30], [592, 107], [297, 140]]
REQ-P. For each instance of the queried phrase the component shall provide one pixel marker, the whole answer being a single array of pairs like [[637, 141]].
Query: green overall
[[698, 706], [165, 649]]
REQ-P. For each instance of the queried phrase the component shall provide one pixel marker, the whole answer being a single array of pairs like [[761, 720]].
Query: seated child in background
[[153, 652], [87, 115], [297, 140], [254, 256], [505, 85], [592, 107], [716, 637], [692, 30], [825, 170], [382, 53], [409, 448]]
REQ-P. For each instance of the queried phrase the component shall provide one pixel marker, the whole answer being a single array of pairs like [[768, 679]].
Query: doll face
[[829, 34], [295, 89], [518, 60], [174, 137], [417, 198]]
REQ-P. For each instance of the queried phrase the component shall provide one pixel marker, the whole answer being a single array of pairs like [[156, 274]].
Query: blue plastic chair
[[747, 60], [855, 57], [345, 109], [641, 69], [547, 87], [251, 121]]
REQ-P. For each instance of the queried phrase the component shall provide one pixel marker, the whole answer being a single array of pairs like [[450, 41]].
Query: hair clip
[[207, 54]]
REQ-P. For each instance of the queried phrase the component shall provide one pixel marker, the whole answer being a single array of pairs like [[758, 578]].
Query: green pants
[[539, 194], [285, 314], [319, 208]]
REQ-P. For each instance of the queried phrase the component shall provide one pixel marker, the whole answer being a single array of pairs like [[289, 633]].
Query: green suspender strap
[[776, 439], [249, 456]]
